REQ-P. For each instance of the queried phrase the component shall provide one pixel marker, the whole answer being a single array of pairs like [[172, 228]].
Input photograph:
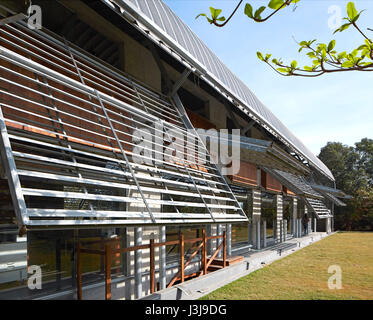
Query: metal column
[[229, 240], [218, 241], [138, 264], [258, 235], [162, 259]]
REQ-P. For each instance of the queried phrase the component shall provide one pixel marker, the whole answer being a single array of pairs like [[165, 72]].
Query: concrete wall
[[137, 60]]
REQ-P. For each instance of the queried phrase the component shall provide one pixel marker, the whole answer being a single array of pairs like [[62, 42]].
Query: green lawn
[[304, 274]]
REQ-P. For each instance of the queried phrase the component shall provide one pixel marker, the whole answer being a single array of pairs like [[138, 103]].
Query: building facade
[[121, 130]]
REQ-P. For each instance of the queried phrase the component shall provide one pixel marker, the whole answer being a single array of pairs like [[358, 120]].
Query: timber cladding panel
[[287, 191], [199, 121], [247, 174], [270, 183]]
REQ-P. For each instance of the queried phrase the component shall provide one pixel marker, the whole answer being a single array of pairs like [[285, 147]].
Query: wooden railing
[[180, 276]]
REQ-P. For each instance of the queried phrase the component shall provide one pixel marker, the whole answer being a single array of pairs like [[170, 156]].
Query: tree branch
[[288, 2], [358, 29], [230, 17]]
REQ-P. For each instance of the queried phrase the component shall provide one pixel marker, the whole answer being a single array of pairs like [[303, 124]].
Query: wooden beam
[[182, 257], [214, 255], [152, 267], [79, 272], [108, 272], [204, 252], [177, 277]]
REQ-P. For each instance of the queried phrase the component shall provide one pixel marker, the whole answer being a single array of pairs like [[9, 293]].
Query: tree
[[343, 161], [325, 59], [365, 150], [352, 169]]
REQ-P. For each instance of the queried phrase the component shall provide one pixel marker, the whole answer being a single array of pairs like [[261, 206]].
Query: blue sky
[[336, 107]]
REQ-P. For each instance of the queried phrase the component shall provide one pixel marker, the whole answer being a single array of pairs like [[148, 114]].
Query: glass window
[[269, 211]]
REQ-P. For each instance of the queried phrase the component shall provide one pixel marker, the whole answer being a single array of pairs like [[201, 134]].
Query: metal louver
[[68, 142], [319, 208], [295, 183], [334, 199]]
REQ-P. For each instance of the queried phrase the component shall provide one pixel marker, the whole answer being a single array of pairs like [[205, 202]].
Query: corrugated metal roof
[[157, 14]]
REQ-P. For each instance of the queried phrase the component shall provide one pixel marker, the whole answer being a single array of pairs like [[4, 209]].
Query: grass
[[304, 274]]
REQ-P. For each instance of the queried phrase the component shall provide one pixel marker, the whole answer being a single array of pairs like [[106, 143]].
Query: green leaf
[[260, 56], [201, 14], [258, 12], [331, 45], [323, 53], [342, 28], [354, 53], [268, 56], [362, 47], [294, 64], [311, 55], [204, 15], [213, 12], [275, 4], [282, 70], [347, 64], [307, 68], [249, 10], [351, 10], [342, 55], [356, 17], [316, 63]]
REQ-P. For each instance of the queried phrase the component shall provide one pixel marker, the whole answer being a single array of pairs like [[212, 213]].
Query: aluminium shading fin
[[70, 129]]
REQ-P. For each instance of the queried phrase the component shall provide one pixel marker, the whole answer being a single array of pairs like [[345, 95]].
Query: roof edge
[[133, 13]]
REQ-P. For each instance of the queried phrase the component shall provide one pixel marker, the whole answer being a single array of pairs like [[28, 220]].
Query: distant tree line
[[352, 168]]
